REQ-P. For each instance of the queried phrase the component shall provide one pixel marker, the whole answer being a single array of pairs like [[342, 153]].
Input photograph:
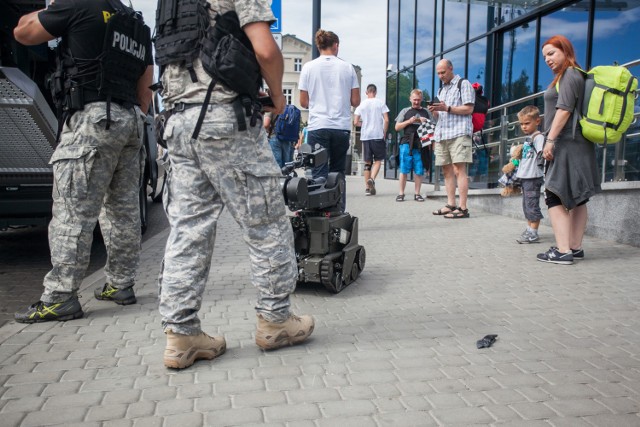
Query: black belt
[[182, 106]]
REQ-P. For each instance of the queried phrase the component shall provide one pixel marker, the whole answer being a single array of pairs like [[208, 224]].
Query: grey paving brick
[[108, 384], [259, 399], [350, 421], [415, 403], [33, 378], [568, 422], [282, 384], [564, 391], [534, 394], [122, 372], [25, 404], [533, 410], [448, 386], [313, 395], [405, 418], [88, 399], [141, 409], [106, 412], [17, 368], [79, 375], [59, 365], [235, 387], [232, 417], [115, 423], [620, 405], [502, 413], [301, 411], [577, 407], [13, 419], [629, 420], [186, 419], [23, 390], [505, 396], [174, 406], [350, 408], [372, 377], [159, 393], [462, 416], [148, 422], [61, 388], [520, 380], [53, 416], [445, 400]]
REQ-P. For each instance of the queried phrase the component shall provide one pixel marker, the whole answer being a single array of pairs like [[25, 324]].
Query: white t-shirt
[[329, 81], [372, 110]]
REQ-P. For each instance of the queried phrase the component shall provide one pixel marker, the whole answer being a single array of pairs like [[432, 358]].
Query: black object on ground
[[486, 341]]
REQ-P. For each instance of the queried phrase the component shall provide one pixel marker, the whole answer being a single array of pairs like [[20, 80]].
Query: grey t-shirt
[[531, 152], [568, 97]]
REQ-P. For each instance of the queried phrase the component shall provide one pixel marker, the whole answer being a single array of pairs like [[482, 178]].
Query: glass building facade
[[499, 45]]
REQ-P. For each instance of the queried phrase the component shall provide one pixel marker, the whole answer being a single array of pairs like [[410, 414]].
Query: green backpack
[[607, 108]]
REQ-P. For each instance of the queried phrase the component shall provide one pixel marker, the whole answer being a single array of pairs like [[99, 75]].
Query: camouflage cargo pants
[[223, 168], [96, 175]]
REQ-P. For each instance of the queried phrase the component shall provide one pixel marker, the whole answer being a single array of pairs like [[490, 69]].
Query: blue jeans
[[282, 150], [336, 142]]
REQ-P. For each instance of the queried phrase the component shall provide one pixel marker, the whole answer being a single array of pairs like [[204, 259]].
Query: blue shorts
[[410, 160]]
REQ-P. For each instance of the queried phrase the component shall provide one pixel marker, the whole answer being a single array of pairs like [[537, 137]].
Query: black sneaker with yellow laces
[[108, 292], [46, 312]]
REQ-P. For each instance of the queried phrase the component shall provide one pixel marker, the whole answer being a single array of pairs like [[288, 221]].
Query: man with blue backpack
[[283, 133]]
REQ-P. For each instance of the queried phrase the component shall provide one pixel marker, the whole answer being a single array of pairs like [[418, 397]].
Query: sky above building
[[360, 24]]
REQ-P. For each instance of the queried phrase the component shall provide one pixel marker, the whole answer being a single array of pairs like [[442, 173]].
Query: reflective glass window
[[393, 34], [392, 97], [407, 32], [438, 29], [455, 24], [477, 60], [518, 60], [425, 29], [480, 19], [572, 24], [424, 80], [458, 59], [615, 32], [405, 86]]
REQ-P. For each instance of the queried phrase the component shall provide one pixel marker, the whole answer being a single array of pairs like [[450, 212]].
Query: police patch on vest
[[129, 45]]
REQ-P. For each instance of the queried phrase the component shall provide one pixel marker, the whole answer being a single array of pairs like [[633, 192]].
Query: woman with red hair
[[572, 174]]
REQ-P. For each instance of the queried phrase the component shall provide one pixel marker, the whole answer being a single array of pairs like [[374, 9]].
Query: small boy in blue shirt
[[530, 172]]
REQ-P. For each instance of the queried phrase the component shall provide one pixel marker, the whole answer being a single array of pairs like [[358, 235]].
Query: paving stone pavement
[[395, 348]]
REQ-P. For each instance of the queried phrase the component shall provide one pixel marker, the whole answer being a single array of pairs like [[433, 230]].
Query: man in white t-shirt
[[372, 115], [329, 88]]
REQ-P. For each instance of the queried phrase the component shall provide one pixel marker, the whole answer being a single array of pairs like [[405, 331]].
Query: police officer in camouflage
[[222, 166], [101, 89]]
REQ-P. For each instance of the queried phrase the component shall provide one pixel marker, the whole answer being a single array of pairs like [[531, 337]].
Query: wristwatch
[[449, 109]]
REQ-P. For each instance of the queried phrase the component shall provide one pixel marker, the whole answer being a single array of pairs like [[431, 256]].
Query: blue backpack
[[288, 124]]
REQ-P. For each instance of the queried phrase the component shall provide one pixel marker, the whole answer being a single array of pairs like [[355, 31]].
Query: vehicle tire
[[361, 258], [143, 209]]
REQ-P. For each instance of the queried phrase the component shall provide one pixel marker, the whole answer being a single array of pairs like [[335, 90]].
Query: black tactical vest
[[123, 60], [113, 75], [180, 27]]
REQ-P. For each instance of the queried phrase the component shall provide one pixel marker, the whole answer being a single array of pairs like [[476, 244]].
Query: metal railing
[[504, 126]]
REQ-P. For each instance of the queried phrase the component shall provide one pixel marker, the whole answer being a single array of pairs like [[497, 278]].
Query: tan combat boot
[[294, 330], [183, 350]]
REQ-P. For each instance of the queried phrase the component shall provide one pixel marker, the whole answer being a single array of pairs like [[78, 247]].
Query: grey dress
[[573, 173]]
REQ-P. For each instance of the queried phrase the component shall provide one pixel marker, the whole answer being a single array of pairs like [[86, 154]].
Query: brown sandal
[[442, 212]]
